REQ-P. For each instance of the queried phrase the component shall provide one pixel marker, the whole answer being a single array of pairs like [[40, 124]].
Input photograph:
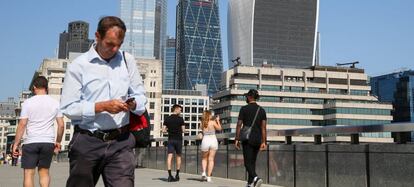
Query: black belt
[[104, 135]]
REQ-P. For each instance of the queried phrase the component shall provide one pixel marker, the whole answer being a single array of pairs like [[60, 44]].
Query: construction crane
[[351, 63]]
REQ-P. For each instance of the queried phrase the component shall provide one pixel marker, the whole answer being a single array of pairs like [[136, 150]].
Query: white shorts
[[209, 143]]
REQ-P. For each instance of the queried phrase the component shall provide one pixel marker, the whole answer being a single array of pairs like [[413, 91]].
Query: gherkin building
[[199, 53]]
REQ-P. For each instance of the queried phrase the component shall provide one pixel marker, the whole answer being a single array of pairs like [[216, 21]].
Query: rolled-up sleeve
[[72, 105], [136, 88]]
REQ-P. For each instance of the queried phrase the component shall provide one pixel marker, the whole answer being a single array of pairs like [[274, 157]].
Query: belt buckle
[[105, 137]]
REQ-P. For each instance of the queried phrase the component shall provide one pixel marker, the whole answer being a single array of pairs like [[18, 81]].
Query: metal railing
[[401, 133], [297, 164]]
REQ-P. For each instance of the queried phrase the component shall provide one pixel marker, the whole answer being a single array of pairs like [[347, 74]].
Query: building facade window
[[68, 124], [67, 137]]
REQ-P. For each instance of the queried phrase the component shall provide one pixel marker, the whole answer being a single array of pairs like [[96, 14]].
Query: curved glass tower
[[274, 32]]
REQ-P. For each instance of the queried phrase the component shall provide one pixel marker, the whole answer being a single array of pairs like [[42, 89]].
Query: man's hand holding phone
[[131, 103]]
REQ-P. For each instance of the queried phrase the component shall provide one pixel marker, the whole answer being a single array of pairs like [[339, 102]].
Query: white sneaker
[[203, 176], [208, 179], [257, 182]]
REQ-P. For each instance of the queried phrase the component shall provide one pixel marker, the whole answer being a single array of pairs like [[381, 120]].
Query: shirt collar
[[93, 54]]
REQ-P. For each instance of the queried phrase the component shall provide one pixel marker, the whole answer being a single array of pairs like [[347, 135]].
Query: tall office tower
[[199, 56], [75, 40], [168, 81], [146, 22], [276, 32]]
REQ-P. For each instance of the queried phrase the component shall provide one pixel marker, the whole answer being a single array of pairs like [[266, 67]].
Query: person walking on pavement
[[209, 144], [101, 88], [175, 126], [40, 142], [254, 116]]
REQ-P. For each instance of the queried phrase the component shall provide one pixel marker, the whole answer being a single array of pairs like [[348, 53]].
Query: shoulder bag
[[139, 125], [245, 132]]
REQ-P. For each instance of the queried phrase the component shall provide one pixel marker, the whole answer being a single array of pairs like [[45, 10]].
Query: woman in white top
[[209, 144]]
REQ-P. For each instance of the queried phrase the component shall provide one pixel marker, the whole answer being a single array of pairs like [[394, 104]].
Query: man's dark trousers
[[250, 153], [90, 157]]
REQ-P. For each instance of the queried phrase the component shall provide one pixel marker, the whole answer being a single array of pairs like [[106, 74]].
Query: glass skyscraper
[[275, 32], [398, 89], [199, 55], [169, 66], [146, 22]]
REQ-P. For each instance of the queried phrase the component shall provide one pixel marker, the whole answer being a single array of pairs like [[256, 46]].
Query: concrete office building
[[75, 40], [151, 73], [302, 98], [146, 22], [193, 103], [199, 55], [7, 118], [277, 32]]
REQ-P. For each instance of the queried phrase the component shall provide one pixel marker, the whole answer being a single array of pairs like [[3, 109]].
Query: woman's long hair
[[205, 118]]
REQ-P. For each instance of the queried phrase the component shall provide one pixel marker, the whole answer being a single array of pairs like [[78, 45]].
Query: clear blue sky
[[378, 33]]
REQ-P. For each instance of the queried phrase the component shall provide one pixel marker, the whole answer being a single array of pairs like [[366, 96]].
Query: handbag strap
[[126, 64], [255, 116]]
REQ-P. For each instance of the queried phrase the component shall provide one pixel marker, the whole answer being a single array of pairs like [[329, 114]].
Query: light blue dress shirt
[[90, 79]]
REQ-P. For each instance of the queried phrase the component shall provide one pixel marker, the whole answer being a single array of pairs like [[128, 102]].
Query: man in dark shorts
[[174, 125], [37, 117]]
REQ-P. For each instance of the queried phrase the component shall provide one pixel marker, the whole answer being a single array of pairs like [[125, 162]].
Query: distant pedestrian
[[209, 144], [37, 120], [254, 116], [175, 126], [1, 158]]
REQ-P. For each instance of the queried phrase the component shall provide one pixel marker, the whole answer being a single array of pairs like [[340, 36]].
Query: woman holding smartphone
[[209, 144]]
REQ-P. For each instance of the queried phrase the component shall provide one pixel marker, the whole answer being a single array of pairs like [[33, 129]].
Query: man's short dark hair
[[108, 22], [40, 82], [253, 93], [176, 106]]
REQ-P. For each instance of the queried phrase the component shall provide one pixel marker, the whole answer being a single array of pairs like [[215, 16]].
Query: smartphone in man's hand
[[129, 100]]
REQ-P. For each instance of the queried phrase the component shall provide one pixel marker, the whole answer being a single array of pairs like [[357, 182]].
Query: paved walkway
[[12, 177]]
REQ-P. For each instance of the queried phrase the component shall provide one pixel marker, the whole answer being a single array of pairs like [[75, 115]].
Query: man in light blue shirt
[[94, 94]]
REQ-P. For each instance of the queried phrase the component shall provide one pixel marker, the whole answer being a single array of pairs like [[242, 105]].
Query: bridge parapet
[[296, 164]]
